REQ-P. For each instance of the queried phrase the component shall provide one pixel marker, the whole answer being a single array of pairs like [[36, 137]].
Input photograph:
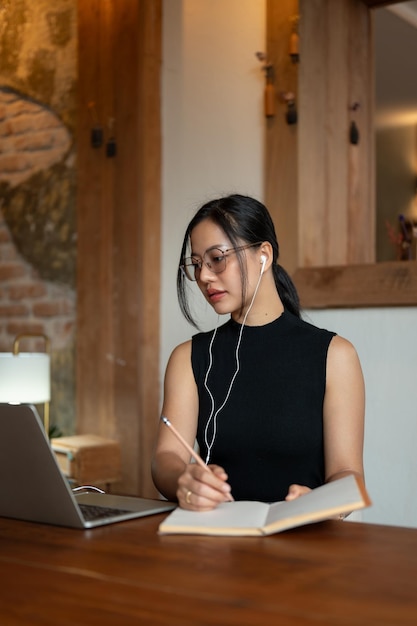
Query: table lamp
[[25, 376]]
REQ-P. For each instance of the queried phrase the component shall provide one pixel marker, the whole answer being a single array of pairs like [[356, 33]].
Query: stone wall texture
[[38, 187]]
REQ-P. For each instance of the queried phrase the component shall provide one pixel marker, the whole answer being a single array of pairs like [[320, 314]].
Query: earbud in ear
[[263, 261]]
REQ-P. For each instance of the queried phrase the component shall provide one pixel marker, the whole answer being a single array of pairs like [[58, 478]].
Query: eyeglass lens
[[214, 259]]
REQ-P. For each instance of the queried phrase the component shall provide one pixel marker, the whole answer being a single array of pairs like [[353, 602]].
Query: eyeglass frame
[[198, 266]]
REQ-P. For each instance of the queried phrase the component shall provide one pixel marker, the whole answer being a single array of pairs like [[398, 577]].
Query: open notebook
[[32, 487]]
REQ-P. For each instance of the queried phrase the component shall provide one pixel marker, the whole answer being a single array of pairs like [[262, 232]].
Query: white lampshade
[[25, 377]]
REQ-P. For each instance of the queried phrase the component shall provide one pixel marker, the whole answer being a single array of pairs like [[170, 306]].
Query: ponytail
[[286, 290]]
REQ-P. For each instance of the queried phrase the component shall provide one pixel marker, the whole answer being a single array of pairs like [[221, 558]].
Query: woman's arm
[[344, 411], [181, 407], [343, 415], [172, 471]]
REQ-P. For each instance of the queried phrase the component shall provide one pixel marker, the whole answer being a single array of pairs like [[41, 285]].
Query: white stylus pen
[[197, 458]]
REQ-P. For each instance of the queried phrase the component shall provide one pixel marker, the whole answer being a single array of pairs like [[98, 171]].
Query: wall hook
[[294, 39], [96, 130], [111, 146], [291, 115], [354, 131], [269, 92]]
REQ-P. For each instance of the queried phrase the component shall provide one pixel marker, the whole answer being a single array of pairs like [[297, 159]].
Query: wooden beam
[[369, 285], [375, 4], [119, 231]]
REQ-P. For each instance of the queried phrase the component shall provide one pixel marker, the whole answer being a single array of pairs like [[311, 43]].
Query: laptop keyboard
[[92, 512]]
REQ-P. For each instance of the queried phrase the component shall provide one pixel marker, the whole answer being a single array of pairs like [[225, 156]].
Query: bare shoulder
[[180, 390], [342, 348], [179, 362], [181, 353], [342, 356]]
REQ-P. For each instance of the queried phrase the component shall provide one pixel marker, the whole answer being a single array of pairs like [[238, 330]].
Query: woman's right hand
[[202, 490]]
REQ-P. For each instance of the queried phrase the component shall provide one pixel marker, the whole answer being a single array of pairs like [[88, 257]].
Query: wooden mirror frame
[[356, 280]]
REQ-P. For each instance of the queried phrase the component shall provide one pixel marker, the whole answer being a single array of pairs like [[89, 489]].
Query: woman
[[275, 404]]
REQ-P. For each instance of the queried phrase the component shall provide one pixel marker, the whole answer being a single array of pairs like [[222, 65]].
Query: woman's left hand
[[295, 491]]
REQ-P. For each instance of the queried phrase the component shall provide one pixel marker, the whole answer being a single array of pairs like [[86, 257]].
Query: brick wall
[[32, 137], [29, 304], [38, 40]]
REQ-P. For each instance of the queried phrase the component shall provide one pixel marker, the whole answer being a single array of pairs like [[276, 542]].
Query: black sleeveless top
[[270, 432]]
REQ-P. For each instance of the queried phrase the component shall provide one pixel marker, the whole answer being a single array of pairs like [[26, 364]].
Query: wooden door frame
[[118, 225]]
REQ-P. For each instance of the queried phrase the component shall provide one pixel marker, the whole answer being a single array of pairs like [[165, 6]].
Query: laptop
[[33, 488]]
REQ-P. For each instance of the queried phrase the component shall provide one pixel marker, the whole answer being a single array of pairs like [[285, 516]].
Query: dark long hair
[[242, 219]]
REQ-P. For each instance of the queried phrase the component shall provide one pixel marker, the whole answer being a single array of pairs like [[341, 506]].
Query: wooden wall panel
[[318, 186], [281, 139], [119, 231], [313, 140], [94, 267], [332, 247], [336, 212], [361, 244]]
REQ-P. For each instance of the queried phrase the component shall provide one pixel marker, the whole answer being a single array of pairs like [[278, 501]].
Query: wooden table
[[332, 573]]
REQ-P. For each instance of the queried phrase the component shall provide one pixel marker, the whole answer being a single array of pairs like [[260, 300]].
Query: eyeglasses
[[213, 258]]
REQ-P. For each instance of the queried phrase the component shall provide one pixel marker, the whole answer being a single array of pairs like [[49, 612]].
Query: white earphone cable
[[213, 413]]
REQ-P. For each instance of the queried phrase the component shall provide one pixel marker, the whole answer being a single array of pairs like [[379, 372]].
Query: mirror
[[395, 29]]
